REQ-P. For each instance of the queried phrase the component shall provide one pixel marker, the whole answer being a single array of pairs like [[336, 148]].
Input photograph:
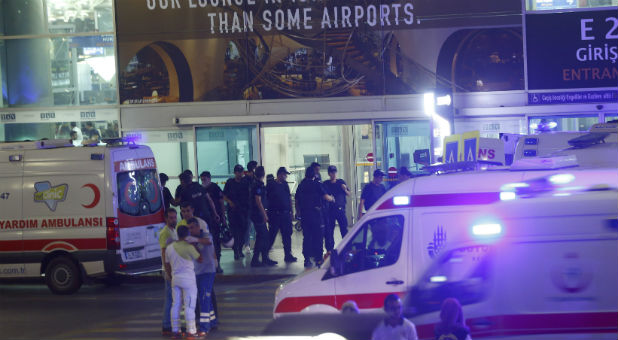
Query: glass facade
[[67, 58], [548, 5], [396, 142], [220, 148], [345, 146], [561, 123]]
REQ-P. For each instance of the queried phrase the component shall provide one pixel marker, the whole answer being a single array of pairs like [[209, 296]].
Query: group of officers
[[266, 204]]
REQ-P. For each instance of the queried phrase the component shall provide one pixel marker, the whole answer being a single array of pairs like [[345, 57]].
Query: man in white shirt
[[179, 257], [79, 137], [394, 326]]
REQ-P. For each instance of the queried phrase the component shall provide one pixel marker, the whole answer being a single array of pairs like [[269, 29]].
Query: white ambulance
[[545, 267], [69, 213], [388, 249]]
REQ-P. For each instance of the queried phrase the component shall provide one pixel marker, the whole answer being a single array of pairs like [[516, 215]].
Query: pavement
[[240, 271]]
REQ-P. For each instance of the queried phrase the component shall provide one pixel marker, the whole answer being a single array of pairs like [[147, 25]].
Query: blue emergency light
[[560, 179]]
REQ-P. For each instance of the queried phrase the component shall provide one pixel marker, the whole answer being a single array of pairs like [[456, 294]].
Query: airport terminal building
[[208, 84]]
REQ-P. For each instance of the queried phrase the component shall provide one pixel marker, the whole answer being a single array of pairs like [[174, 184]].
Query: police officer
[[259, 218], [404, 174], [280, 212], [250, 178], [337, 188], [371, 192], [309, 197], [193, 192], [236, 194]]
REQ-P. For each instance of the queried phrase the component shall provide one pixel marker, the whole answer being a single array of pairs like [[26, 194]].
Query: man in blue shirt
[[371, 192]]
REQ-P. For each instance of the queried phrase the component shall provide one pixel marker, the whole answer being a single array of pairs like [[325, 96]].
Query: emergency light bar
[[545, 163]]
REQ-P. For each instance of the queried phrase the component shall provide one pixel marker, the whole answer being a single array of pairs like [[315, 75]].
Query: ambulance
[[390, 247], [71, 213], [540, 266]]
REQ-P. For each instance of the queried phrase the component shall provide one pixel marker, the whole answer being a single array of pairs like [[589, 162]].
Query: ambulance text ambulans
[[68, 213]]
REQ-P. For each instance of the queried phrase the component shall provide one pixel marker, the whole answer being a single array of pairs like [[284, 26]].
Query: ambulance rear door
[[11, 243], [138, 205]]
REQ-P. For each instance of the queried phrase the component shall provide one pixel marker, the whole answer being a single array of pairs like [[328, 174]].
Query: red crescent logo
[[97, 196]]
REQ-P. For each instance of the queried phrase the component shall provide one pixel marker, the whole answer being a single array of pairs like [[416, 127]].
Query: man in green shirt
[[167, 236]]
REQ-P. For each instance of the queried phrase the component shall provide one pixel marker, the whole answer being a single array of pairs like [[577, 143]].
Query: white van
[[544, 268], [68, 212], [388, 249]]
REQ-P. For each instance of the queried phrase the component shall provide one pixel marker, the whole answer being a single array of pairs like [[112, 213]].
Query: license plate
[[134, 254]]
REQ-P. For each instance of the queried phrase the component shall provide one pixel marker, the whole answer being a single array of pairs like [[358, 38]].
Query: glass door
[[396, 142], [220, 148], [296, 147]]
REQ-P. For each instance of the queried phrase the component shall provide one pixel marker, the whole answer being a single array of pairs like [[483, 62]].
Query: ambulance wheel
[[62, 276]]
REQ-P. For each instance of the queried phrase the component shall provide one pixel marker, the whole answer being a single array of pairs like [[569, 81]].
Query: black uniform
[[167, 198], [280, 214], [309, 197], [215, 229], [371, 193], [336, 212], [261, 232], [238, 193], [196, 194]]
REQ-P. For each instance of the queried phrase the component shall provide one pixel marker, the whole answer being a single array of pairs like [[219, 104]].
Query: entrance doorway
[[220, 148], [344, 145]]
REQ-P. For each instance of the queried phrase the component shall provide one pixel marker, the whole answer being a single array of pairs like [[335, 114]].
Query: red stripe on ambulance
[[528, 324], [364, 301], [42, 245]]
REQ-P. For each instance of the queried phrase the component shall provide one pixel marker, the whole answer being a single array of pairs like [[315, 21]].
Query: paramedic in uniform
[[280, 212], [236, 194], [309, 197], [371, 192], [337, 188], [216, 194], [204, 275]]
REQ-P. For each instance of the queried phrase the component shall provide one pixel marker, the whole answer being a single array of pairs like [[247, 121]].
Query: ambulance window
[[462, 273], [376, 244], [139, 193]]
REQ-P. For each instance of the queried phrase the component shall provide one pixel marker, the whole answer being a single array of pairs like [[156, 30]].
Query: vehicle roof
[[487, 184], [69, 153]]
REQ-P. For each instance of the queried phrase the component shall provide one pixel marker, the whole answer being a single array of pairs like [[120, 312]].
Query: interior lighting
[[437, 278], [401, 200], [507, 195], [487, 229], [444, 100], [560, 179], [429, 103]]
